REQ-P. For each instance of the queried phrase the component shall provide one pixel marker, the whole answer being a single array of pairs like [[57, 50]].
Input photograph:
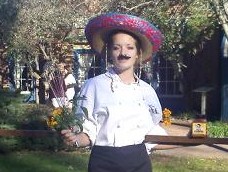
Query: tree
[[221, 9], [43, 28], [41, 22], [8, 13], [185, 24]]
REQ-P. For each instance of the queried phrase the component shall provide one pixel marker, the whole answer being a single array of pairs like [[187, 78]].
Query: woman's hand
[[72, 139], [69, 137]]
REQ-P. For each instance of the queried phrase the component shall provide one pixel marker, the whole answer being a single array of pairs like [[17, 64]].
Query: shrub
[[218, 129], [14, 114]]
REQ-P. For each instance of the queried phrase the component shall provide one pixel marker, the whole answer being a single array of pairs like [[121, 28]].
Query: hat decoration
[[98, 29]]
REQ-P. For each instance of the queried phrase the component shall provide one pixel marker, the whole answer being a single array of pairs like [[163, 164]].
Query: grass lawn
[[77, 161]]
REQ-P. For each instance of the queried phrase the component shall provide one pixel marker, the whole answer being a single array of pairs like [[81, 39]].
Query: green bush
[[218, 129], [10, 107], [14, 114]]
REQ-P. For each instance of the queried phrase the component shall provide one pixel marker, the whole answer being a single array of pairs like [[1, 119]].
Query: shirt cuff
[[90, 130]]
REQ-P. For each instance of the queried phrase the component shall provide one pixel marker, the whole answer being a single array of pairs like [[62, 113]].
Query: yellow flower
[[166, 114], [51, 122], [62, 118], [167, 122], [57, 111]]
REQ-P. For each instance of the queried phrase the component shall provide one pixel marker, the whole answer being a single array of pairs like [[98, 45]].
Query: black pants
[[132, 158]]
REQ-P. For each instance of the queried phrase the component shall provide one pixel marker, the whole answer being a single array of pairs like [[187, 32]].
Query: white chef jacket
[[119, 114]]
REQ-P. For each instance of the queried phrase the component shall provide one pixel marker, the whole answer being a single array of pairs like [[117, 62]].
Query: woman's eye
[[115, 48], [130, 48]]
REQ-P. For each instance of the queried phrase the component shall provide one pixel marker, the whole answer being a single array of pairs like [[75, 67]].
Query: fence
[[172, 140]]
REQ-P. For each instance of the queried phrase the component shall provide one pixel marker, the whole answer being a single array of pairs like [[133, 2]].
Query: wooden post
[[203, 91], [203, 102]]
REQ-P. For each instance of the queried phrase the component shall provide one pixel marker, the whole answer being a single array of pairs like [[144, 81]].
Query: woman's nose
[[123, 51]]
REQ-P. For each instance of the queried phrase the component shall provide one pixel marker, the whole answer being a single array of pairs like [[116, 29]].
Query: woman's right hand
[[70, 138]]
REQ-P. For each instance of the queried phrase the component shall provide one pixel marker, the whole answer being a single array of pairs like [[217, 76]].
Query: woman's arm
[[85, 101]]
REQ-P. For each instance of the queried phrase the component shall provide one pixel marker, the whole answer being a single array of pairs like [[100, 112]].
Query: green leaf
[[85, 112]]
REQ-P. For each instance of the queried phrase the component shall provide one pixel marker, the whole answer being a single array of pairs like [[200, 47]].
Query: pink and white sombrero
[[98, 29]]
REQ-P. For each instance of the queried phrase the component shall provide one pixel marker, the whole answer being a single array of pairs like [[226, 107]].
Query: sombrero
[[98, 29]]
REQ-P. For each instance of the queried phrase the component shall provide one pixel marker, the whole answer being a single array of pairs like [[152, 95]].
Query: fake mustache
[[123, 56]]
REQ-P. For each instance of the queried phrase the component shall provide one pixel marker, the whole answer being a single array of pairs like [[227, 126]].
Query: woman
[[121, 108]]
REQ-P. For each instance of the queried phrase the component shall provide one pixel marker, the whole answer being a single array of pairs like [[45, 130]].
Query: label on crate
[[199, 129]]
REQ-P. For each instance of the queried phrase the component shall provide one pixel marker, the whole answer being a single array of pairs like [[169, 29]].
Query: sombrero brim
[[99, 28]]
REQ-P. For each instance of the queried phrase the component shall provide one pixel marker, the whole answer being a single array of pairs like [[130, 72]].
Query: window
[[164, 76]]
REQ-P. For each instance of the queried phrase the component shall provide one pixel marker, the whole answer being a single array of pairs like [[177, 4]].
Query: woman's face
[[123, 51]]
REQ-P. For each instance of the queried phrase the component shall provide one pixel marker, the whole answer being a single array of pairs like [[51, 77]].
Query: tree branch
[[43, 51], [141, 5]]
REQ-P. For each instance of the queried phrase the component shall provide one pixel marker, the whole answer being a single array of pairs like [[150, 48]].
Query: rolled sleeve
[[86, 101]]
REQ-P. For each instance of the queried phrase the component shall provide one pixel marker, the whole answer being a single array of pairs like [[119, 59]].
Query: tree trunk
[[221, 9]]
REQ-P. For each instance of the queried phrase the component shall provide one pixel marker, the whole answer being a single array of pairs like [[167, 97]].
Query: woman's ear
[[140, 52], [139, 57]]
